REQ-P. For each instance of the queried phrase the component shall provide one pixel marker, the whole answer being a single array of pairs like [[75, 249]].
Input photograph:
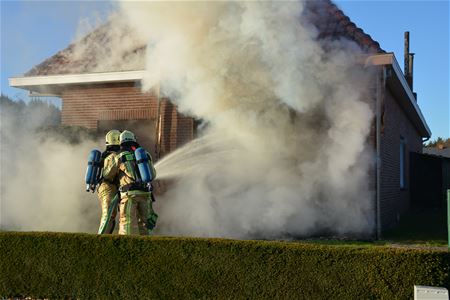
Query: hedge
[[85, 266]]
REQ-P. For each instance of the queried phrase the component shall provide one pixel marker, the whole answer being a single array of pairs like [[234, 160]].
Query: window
[[402, 162]]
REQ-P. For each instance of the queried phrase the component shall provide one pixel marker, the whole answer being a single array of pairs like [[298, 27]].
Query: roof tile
[[330, 21]]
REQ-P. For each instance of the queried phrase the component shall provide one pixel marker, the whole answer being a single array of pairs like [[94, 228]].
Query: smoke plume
[[42, 169], [42, 172], [284, 153]]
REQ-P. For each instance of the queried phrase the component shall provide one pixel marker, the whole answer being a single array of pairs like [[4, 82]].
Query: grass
[[428, 228], [416, 228]]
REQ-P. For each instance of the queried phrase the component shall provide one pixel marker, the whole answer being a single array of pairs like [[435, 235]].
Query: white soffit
[[389, 59], [76, 78]]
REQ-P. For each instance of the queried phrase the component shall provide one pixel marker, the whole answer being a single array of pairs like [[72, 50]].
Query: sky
[[32, 31], [428, 24]]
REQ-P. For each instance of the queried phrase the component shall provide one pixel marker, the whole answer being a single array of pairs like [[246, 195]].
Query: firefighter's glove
[[151, 221]]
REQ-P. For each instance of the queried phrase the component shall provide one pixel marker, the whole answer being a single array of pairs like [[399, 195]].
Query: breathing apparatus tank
[[142, 162], [94, 169]]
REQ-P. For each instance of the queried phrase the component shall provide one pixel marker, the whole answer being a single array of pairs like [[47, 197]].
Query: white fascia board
[[389, 59], [30, 81]]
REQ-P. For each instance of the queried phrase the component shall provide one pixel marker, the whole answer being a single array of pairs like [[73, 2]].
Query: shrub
[[63, 265]]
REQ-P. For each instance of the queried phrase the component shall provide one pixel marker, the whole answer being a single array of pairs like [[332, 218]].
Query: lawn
[[428, 228], [415, 229]]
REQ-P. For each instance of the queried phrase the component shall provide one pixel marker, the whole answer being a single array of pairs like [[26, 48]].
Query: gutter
[[380, 85], [424, 140]]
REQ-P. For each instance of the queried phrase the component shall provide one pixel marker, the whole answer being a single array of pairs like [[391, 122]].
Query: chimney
[[409, 61], [406, 56]]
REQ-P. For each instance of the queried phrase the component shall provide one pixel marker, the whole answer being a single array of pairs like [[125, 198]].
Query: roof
[[92, 53], [437, 152], [332, 24]]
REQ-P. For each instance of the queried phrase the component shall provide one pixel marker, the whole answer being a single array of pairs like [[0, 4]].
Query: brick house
[[108, 96], [111, 98]]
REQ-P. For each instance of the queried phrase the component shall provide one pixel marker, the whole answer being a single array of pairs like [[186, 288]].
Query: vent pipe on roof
[[410, 69]]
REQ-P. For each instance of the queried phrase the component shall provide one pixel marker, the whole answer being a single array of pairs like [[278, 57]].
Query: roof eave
[[51, 84], [400, 87]]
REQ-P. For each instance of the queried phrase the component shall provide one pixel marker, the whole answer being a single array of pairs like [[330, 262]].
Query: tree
[[439, 143], [34, 114]]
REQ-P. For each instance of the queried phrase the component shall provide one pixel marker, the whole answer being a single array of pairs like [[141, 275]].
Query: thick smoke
[[42, 172], [110, 47], [284, 153]]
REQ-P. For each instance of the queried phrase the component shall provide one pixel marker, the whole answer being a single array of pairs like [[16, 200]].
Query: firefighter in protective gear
[[108, 190], [135, 204]]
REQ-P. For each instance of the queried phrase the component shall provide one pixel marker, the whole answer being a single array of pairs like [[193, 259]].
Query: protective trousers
[[109, 201], [136, 208]]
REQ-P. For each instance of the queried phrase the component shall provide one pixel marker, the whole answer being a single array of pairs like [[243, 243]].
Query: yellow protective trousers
[[136, 208], [109, 201]]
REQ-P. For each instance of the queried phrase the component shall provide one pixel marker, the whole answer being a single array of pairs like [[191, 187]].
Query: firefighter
[[135, 197], [108, 190]]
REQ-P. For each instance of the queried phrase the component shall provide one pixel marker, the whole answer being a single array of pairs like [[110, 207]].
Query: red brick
[[86, 105]]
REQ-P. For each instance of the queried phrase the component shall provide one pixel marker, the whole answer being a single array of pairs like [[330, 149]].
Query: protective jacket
[[135, 204], [108, 196]]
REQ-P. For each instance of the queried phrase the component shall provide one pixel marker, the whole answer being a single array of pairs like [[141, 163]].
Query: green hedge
[[82, 266]]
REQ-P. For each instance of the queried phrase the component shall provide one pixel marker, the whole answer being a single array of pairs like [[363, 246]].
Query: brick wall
[[176, 129], [87, 105], [394, 202]]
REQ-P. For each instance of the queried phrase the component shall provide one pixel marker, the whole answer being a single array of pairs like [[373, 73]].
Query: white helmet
[[127, 136]]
